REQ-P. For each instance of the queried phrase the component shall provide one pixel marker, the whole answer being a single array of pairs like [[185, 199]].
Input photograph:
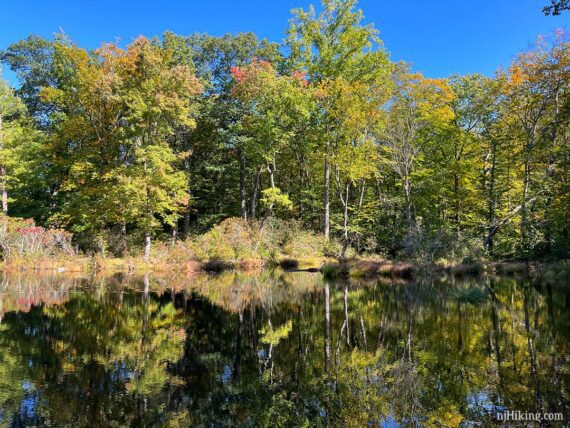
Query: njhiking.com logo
[[517, 415]]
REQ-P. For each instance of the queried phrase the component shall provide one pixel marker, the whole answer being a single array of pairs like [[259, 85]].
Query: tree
[[556, 7], [116, 110], [536, 89], [11, 107], [276, 111], [335, 49]]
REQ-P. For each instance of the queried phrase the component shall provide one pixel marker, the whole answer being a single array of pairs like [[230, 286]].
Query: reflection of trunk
[[237, 356], [363, 331], [531, 351], [346, 315], [409, 342], [300, 354], [253, 332], [496, 327], [327, 326], [269, 360], [459, 327], [326, 200]]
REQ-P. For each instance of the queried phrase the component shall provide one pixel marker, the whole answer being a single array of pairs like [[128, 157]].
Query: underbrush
[[22, 243]]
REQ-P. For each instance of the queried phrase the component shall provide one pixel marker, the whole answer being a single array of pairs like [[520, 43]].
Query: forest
[[168, 139]]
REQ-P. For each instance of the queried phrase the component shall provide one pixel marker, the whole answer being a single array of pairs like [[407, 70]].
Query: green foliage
[[273, 196], [272, 336], [171, 136], [232, 239]]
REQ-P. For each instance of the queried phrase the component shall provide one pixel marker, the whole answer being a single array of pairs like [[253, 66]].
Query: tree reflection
[[275, 348]]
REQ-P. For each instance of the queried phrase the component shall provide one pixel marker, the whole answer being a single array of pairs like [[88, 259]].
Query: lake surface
[[280, 349]]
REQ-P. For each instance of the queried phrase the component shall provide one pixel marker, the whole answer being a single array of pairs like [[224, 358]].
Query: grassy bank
[[235, 244]]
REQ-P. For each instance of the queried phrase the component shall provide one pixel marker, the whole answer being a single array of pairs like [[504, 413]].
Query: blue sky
[[440, 37]]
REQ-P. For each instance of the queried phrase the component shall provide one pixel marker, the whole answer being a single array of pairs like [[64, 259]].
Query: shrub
[[232, 239], [304, 244], [22, 238]]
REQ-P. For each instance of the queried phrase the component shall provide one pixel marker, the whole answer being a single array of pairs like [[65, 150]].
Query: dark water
[[280, 349]]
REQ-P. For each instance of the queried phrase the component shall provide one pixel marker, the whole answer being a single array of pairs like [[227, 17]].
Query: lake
[[280, 349]]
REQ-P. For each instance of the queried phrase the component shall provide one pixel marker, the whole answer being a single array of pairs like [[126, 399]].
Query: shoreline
[[330, 268]]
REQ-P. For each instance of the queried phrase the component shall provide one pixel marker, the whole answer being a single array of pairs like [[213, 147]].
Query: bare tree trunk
[[186, 221], [3, 177], [408, 201], [326, 193], [147, 246], [491, 194], [271, 169], [4, 186], [526, 182], [123, 243], [174, 235], [525, 190], [243, 196], [345, 220], [457, 205], [254, 193], [186, 224]]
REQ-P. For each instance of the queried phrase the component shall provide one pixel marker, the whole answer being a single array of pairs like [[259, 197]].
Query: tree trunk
[[254, 193], [3, 177], [123, 249], [457, 205], [345, 220], [174, 235], [271, 169], [408, 201], [525, 190], [526, 184], [326, 193], [243, 196], [491, 194], [147, 246], [186, 221], [4, 186], [186, 224]]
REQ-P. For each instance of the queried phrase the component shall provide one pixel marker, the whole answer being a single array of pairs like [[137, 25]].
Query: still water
[[279, 349]]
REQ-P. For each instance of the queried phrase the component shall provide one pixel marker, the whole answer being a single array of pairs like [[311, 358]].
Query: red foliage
[[301, 77]]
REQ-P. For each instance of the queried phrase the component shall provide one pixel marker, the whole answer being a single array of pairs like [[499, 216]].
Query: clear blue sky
[[440, 37]]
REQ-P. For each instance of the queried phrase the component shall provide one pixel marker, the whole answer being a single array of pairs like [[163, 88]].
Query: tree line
[[171, 135]]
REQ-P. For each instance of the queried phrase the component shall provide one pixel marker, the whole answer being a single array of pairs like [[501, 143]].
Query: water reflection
[[278, 348]]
